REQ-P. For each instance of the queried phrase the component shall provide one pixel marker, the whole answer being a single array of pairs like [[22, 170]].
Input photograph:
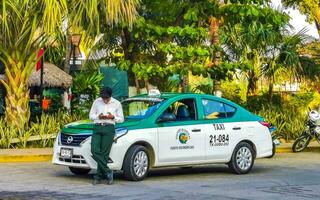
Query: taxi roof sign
[[154, 92]]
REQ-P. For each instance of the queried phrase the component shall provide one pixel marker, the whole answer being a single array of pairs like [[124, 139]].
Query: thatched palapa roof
[[53, 76]]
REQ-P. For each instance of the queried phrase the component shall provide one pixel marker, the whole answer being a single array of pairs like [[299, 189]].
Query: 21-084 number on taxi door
[[219, 140]]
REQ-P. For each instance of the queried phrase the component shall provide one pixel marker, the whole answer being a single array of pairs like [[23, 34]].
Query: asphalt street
[[286, 176]]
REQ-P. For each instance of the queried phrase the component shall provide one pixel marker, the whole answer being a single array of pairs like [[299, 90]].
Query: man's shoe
[[96, 182], [110, 178]]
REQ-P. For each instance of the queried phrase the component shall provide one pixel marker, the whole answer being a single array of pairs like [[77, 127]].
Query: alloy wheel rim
[[140, 163], [244, 158]]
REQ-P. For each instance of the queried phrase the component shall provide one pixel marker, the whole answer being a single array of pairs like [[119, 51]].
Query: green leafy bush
[[234, 91], [289, 122], [256, 102], [85, 89], [40, 134]]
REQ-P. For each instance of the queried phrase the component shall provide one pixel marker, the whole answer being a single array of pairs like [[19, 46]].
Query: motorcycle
[[311, 131]]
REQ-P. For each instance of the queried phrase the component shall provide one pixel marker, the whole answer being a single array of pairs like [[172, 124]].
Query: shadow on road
[[173, 172]]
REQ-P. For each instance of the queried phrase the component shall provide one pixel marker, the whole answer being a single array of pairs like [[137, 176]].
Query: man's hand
[[101, 116], [109, 116]]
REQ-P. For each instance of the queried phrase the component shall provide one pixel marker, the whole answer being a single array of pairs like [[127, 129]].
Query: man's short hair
[[106, 92]]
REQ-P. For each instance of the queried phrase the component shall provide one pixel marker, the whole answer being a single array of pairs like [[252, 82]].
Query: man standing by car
[[105, 112]]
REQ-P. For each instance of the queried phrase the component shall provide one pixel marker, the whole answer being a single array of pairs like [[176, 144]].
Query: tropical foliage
[[233, 44], [86, 88], [27, 25], [311, 8], [41, 133]]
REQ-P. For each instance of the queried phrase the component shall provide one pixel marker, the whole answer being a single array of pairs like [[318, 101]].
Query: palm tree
[[26, 25], [286, 62], [311, 8], [22, 34], [91, 16]]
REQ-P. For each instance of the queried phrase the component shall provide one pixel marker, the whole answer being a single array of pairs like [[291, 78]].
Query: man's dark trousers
[[101, 143]]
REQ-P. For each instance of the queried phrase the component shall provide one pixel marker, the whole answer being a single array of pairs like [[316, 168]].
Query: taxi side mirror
[[166, 117]]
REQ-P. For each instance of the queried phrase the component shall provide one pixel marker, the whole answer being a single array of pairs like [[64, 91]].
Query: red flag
[[39, 58]]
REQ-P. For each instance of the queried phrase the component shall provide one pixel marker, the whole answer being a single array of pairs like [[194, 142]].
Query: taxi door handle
[[196, 130], [236, 128]]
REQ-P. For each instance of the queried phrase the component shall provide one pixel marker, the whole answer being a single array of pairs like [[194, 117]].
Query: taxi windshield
[[140, 108]]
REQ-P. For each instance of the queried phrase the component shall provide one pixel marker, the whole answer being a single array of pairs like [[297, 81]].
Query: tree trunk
[[318, 28], [17, 112], [130, 55], [317, 20], [252, 84], [215, 40], [217, 88], [185, 83], [270, 92], [66, 67], [137, 84]]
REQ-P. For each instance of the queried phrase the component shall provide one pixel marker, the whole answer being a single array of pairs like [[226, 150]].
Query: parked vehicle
[[171, 129], [311, 131]]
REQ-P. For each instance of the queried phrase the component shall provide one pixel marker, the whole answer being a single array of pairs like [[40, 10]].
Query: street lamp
[[75, 42]]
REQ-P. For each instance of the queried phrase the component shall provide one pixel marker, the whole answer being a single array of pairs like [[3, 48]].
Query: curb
[[289, 149], [25, 158]]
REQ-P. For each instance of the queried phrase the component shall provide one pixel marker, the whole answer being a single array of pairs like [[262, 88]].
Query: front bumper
[[82, 157]]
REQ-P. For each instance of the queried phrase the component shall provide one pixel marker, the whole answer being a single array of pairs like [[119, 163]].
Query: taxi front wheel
[[136, 163], [242, 159], [79, 171]]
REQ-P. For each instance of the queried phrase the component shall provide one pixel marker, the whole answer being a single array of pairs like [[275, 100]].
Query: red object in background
[[39, 58], [46, 104]]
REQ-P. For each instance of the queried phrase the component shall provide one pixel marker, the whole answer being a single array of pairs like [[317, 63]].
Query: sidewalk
[[45, 154]]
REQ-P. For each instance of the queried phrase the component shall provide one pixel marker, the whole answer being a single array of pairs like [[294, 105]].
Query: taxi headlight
[[120, 132]]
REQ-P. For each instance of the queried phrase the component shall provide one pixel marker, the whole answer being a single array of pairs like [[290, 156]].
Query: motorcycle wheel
[[301, 143]]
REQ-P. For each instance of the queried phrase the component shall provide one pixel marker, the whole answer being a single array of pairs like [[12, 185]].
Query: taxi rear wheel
[[242, 159], [136, 163], [79, 171]]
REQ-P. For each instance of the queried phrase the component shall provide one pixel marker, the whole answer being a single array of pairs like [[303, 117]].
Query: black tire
[[301, 143], [79, 171], [129, 163], [186, 167], [234, 164], [273, 150]]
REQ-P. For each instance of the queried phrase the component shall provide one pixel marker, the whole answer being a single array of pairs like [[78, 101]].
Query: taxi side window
[[230, 111], [184, 110], [217, 110]]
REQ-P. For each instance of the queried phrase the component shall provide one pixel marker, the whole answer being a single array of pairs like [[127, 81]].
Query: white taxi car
[[171, 129]]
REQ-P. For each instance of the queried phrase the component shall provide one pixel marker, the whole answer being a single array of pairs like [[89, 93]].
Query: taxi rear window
[[216, 109]]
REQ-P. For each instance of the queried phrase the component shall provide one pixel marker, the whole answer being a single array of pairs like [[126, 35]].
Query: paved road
[[286, 176]]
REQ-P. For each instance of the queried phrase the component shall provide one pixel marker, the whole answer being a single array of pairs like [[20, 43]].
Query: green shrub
[[45, 126], [289, 122], [7, 133], [85, 89], [234, 91]]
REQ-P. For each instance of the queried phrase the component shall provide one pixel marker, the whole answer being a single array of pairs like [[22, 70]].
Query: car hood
[[86, 126]]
